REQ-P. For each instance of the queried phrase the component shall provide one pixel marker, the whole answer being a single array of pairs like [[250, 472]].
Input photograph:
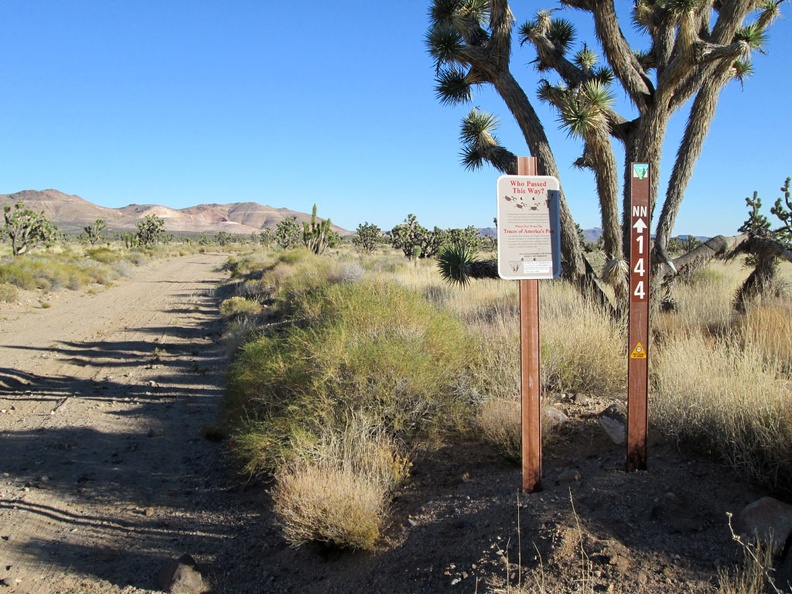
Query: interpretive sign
[[529, 236], [638, 362]]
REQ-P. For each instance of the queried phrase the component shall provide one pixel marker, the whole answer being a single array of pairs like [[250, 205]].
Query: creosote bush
[[326, 404], [370, 346]]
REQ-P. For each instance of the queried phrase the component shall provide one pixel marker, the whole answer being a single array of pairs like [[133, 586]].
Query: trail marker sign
[[638, 361]]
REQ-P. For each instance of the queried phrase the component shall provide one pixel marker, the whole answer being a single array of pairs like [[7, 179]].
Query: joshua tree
[[149, 230], [26, 228], [415, 240], [287, 233], [368, 235], [318, 235], [763, 248], [694, 48], [93, 232]]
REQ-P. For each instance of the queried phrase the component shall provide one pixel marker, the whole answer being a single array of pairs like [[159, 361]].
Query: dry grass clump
[[8, 293], [335, 487], [768, 330], [704, 303], [328, 505], [721, 381], [500, 424], [722, 396], [583, 350], [236, 307], [754, 576]]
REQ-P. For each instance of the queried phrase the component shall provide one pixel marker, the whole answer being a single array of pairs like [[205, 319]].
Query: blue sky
[[289, 104]]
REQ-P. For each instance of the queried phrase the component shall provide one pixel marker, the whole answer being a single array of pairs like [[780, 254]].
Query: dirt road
[[104, 475]]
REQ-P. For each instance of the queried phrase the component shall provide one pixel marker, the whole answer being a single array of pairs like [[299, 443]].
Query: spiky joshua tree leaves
[[692, 49]]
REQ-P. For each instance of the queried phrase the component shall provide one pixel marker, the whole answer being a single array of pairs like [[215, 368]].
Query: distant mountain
[[592, 235], [72, 214]]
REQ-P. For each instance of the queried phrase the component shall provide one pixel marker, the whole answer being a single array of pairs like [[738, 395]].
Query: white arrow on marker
[[639, 226]]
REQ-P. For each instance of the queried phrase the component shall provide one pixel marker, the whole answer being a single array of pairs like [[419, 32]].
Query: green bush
[[17, 274], [370, 346], [105, 255]]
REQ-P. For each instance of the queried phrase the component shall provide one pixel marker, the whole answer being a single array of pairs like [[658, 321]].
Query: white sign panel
[[529, 227]]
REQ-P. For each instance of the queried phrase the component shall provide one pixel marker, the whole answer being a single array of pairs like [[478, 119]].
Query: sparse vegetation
[[396, 348]]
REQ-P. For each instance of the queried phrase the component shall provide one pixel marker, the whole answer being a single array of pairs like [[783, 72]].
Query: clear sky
[[182, 102]]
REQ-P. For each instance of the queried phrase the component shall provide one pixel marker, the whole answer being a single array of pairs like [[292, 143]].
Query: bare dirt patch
[[106, 475]]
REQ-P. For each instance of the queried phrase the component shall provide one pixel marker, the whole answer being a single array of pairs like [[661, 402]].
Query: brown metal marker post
[[530, 369], [638, 346]]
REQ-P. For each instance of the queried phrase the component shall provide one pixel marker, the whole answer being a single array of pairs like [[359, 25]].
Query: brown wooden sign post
[[530, 374], [529, 250], [638, 345]]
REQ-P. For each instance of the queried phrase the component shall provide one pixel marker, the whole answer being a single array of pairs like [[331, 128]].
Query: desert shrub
[[137, 257], [237, 332], [293, 256], [240, 266], [103, 254], [371, 346], [255, 290], [122, 268], [721, 397], [16, 273], [8, 292], [347, 272], [239, 307]]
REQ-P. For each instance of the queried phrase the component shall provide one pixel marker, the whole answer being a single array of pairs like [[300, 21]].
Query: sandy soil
[[106, 475]]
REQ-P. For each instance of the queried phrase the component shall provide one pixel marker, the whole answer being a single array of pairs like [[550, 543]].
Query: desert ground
[[110, 468]]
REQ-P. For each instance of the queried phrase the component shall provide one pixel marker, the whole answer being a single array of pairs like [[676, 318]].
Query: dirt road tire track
[[104, 475]]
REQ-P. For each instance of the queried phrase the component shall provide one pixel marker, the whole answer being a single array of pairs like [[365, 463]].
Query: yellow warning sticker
[[639, 352]]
